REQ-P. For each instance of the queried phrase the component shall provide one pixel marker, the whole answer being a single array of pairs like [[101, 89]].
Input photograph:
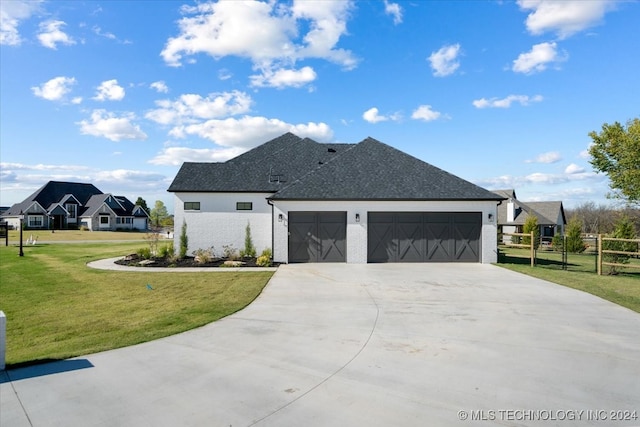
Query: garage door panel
[[424, 236], [317, 236], [410, 239], [466, 237], [380, 244], [332, 241]]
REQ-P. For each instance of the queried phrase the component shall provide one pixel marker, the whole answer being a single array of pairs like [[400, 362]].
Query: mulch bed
[[134, 260]]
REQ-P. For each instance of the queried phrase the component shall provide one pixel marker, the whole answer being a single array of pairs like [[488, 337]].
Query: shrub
[[264, 260], [557, 242], [575, 243], [267, 252], [167, 251], [184, 240], [203, 256], [144, 253], [230, 252]]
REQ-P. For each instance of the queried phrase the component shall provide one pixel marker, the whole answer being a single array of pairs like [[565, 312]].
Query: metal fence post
[[565, 253]]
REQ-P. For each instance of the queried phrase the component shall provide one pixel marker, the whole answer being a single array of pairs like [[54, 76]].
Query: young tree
[[531, 224], [616, 152], [575, 243], [158, 214], [184, 240], [249, 249]]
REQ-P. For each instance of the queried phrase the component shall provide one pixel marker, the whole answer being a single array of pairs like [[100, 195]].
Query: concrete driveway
[[362, 345]]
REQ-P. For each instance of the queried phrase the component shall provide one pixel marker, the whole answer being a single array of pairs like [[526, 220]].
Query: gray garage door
[[317, 236], [424, 236]]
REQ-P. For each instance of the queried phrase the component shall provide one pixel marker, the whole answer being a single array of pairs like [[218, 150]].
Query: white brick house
[[355, 203]]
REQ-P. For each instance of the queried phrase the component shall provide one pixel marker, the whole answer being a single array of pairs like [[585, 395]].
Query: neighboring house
[[109, 212], [62, 205], [512, 214], [356, 203]]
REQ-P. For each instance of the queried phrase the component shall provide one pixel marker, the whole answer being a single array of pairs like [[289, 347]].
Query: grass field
[[622, 289], [56, 307], [72, 236]]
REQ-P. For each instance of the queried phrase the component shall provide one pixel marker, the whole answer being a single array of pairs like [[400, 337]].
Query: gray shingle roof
[[302, 169], [267, 168], [547, 213], [120, 205], [53, 192]]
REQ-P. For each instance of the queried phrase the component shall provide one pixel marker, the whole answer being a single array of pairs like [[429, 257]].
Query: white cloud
[[109, 90], [284, 78], [566, 17], [104, 34], [54, 89], [538, 58], [327, 22], [372, 116], [108, 125], [11, 14], [394, 10], [549, 157], [246, 131], [506, 102], [41, 167], [426, 113], [265, 32], [190, 108], [126, 176], [540, 178], [573, 169], [51, 34], [584, 154], [159, 86], [445, 60], [224, 74], [175, 156], [76, 100]]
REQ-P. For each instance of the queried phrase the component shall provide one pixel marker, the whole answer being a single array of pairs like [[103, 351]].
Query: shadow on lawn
[[542, 262]]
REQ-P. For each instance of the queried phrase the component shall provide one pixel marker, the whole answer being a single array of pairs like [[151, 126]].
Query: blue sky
[[500, 93]]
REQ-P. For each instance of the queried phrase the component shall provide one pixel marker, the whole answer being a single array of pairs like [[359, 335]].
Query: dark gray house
[[356, 203], [61, 205]]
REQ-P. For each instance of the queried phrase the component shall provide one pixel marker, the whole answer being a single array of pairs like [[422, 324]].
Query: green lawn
[[72, 235], [622, 289], [56, 307]]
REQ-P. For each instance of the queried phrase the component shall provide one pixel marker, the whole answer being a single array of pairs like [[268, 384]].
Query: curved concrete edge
[[110, 264]]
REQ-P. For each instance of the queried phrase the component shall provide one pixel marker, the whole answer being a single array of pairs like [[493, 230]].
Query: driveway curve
[[361, 345]]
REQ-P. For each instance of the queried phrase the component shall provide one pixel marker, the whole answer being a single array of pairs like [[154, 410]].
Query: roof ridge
[[319, 166]]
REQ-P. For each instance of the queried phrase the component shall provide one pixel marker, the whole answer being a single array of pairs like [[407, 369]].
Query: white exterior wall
[[357, 231], [218, 223]]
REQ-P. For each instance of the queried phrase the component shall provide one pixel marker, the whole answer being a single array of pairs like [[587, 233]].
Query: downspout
[[273, 228]]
